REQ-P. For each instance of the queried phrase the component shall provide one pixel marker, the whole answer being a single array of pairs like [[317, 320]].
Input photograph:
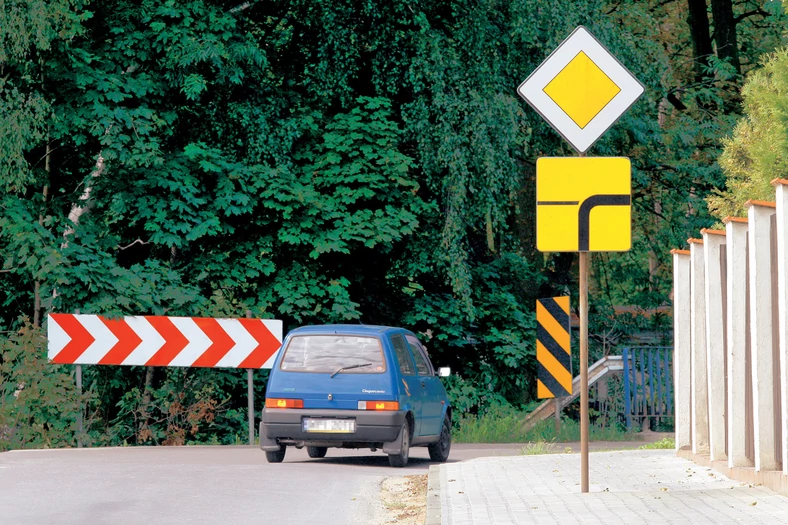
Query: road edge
[[433, 496]]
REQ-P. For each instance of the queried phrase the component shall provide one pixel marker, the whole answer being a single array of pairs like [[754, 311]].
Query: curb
[[433, 496]]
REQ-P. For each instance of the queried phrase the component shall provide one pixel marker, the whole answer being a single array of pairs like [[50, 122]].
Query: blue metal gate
[[648, 382]]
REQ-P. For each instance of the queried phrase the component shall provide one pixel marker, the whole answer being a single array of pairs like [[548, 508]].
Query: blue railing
[[648, 382]]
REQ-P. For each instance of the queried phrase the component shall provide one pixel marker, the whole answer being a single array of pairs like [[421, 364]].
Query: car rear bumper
[[371, 426]]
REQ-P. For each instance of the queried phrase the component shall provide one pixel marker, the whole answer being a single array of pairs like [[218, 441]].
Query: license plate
[[331, 426]]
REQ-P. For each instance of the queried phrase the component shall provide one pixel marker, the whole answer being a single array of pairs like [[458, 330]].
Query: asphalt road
[[209, 485], [202, 485]]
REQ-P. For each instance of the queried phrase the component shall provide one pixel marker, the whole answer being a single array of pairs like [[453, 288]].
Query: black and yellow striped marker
[[553, 351]]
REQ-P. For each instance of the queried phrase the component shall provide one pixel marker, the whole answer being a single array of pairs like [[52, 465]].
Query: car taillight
[[283, 403], [378, 405]]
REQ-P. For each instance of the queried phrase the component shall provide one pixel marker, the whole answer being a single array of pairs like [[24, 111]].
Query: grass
[[506, 426], [664, 443], [538, 447], [497, 426], [547, 447]]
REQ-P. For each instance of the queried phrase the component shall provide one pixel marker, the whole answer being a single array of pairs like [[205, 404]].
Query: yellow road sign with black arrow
[[583, 204]]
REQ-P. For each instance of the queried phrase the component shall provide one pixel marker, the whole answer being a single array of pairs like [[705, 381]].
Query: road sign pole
[[250, 394], [250, 388], [584, 257], [79, 406], [583, 292], [78, 374]]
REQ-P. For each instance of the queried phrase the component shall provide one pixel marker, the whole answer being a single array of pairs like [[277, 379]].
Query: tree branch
[[661, 4], [749, 14], [138, 241], [243, 7], [615, 8]]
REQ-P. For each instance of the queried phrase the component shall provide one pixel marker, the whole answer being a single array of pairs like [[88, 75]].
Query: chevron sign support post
[[163, 341]]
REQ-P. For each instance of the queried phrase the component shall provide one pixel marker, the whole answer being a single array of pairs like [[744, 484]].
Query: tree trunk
[[490, 232], [725, 32], [83, 205], [147, 397], [653, 260], [146, 393], [698, 20], [37, 287]]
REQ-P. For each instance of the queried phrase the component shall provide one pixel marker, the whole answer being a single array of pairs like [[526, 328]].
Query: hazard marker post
[[553, 352]]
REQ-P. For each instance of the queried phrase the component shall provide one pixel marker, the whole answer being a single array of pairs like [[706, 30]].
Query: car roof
[[348, 329]]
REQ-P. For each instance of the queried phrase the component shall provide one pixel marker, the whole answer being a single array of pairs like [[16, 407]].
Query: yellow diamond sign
[[583, 204], [581, 89]]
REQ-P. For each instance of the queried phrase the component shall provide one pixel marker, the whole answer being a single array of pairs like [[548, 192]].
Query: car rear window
[[329, 353]]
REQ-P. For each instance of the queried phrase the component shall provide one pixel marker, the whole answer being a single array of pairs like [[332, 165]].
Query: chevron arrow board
[[163, 341]]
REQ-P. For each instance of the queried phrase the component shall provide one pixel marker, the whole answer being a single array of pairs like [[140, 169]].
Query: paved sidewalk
[[633, 486]]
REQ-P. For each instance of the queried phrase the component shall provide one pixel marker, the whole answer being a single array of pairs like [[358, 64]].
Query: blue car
[[355, 386]]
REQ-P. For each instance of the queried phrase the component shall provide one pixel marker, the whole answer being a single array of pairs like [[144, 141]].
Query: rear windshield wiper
[[349, 367]]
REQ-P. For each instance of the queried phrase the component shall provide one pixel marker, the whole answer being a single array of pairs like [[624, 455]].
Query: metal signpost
[[250, 395], [583, 204]]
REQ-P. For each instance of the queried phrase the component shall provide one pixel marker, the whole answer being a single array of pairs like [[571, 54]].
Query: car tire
[[401, 459], [277, 456], [316, 452], [439, 451]]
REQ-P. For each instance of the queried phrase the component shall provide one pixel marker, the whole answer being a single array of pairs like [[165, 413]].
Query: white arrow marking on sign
[[104, 339], [198, 342], [58, 339], [275, 326], [244, 343], [152, 341]]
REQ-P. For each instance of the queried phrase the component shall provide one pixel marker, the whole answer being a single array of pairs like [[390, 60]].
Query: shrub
[[38, 401], [664, 443]]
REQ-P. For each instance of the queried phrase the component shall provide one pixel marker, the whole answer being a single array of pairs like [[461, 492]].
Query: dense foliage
[[757, 152], [322, 162]]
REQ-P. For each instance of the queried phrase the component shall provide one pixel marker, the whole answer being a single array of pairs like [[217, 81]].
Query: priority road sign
[[583, 204], [581, 89], [553, 351]]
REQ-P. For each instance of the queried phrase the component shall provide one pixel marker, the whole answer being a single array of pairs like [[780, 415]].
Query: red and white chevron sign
[[163, 341]]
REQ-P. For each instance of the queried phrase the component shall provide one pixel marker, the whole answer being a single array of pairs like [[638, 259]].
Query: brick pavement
[[634, 486]]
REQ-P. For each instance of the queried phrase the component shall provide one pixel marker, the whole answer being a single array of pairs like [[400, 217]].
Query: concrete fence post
[[781, 189], [759, 235], [713, 240], [700, 390], [682, 348], [737, 337]]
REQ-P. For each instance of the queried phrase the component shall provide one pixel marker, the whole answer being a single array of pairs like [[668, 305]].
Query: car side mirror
[[444, 371]]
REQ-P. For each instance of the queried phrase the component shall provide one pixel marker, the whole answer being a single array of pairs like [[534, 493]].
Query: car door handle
[[423, 384]]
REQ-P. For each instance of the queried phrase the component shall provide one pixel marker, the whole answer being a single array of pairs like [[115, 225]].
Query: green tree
[[332, 162], [757, 152]]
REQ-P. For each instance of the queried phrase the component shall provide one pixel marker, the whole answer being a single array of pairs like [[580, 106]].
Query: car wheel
[[401, 459], [316, 452], [439, 451], [276, 456]]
